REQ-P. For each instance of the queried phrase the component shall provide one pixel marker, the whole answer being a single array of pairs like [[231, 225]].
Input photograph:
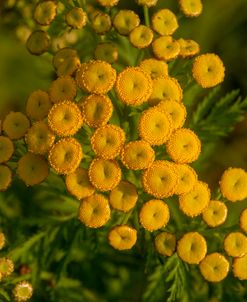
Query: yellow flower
[[155, 68], [107, 141], [154, 215], [192, 248], [66, 61], [215, 214], [39, 138], [208, 70], [176, 110], [193, 203], [62, 89], [243, 220], [108, 3], [94, 211], [214, 267], [188, 48], [6, 149], [15, 125], [187, 178], [125, 21], [6, 267], [65, 118], [123, 197], [141, 36], [38, 42], [165, 48], [183, 146], [191, 8], [155, 126], [76, 18], [165, 87], [2, 240], [78, 184], [122, 237], [32, 169], [235, 244], [165, 243], [5, 177], [137, 155], [101, 23], [160, 180], [106, 52], [164, 22], [240, 267], [23, 291], [105, 175], [233, 184], [38, 105], [45, 12], [65, 156], [96, 110], [97, 77], [147, 3], [133, 86]]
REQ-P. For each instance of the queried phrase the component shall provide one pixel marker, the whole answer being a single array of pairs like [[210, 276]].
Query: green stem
[[146, 16]]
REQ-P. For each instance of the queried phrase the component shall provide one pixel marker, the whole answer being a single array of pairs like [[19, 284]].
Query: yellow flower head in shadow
[[155, 68], [15, 125], [122, 237], [62, 89], [240, 267], [125, 21], [141, 36], [165, 243], [215, 214], [165, 48], [5, 177], [6, 149], [164, 22], [235, 244], [38, 105]]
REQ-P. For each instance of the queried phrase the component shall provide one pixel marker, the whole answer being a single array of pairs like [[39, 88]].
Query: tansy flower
[[192, 248], [62, 89], [133, 86], [23, 291], [154, 215], [98, 77], [123, 197], [6, 149], [108, 3], [6, 267], [176, 110], [45, 12], [2, 240], [65, 156], [66, 61], [243, 220], [215, 214], [165, 87], [125, 21], [137, 155], [78, 184], [195, 201], [235, 244], [214, 267], [65, 118], [165, 48], [191, 8], [38, 42], [164, 22], [208, 70], [38, 105], [32, 169], [15, 125], [155, 68], [147, 3], [155, 126], [141, 36], [183, 146], [165, 243], [76, 18], [94, 211], [233, 184], [240, 267], [160, 180], [187, 178], [106, 52], [101, 23], [122, 237], [39, 138], [107, 141], [188, 48], [105, 175], [5, 177], [96, 110]]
